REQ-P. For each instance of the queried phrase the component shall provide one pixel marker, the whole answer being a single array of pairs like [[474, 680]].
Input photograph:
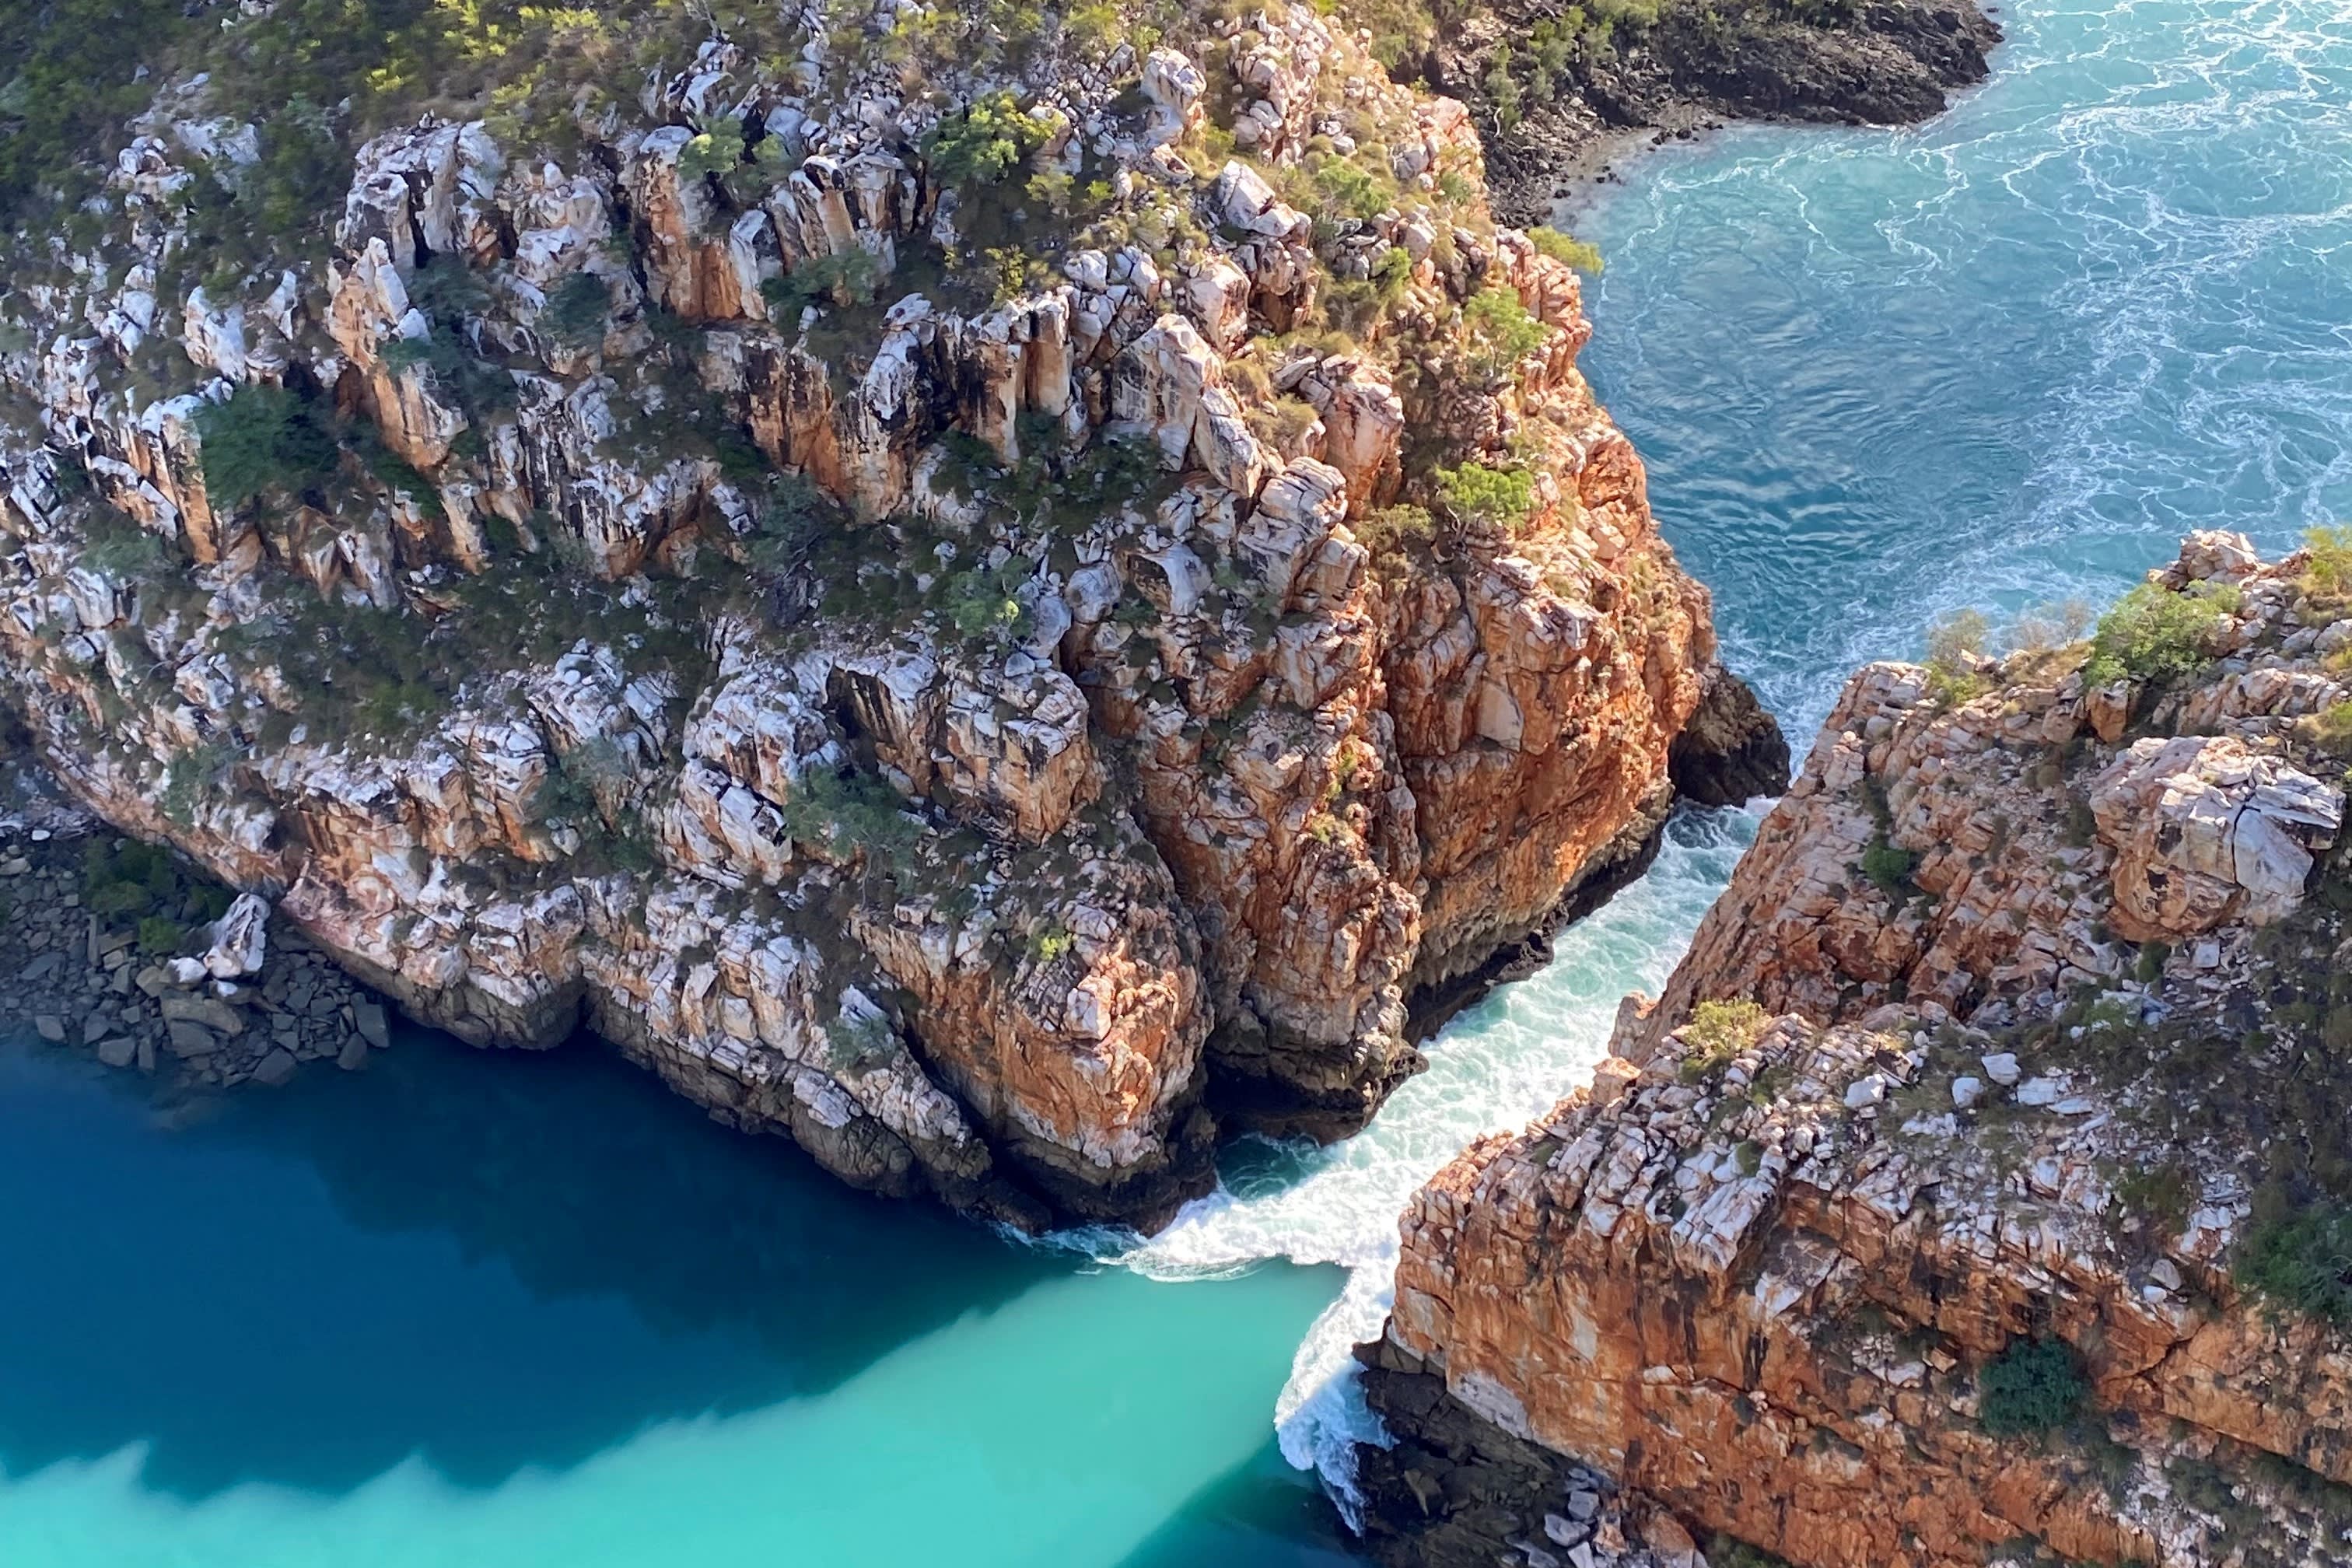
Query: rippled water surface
[[2002, 358], [500, 1310]]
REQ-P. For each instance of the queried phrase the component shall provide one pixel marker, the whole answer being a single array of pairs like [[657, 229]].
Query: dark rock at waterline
[[1889, 62], [77, 980], [1456, 1492], [1732, 750]]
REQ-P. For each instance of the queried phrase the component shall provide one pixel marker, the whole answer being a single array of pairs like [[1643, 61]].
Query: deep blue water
[[511, 1310]]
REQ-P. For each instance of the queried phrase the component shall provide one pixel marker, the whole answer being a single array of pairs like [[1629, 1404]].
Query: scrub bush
[[2301, 1261], [992, 137], [579, 309], [1722, 1552], [2154, 634], [1475, 492], [1502, 331], [1718, 1031], [2032, 1386], [1566, 248], [263, 438], [1888, 869], [1955, 642]]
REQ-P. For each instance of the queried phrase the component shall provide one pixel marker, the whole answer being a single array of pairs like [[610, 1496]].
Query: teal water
[[2004, 357], [502, 1311], [472, 1308]]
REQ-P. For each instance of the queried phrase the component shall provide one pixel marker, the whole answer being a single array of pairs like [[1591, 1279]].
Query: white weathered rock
[[239, 944]]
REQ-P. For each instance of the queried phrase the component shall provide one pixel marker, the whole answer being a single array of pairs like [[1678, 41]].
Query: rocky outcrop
[[2009, 1232], [986, 730], [1583, 81], [1999, 852]]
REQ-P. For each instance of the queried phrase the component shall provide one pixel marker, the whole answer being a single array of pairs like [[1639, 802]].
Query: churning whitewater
[[1497, 1066], [1998, 361]]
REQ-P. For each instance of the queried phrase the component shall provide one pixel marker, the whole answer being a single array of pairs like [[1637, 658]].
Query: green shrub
[[1351, 188], [579, 310], [121, 548], [2330, 728], [1566, 248], [2152, 635], [1718, 1031], [980, 600], [302, 174], [145, 888], [263, 438], [398, 354], [1503, 88], [1888, 869], [715, 152], [1396, 532], [2328, 571], [2032, 1386], [853, 1045], [1502, 332], [1475, 492], [850, 277], [1722, 1552], [989, 139], [2301, 1260], [1955, 642], [72, 74], [843, 814], [794, 515], [1402, 30], [160, 937]]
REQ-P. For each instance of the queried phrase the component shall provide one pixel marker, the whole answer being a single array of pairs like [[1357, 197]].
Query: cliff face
[[1976, 1190], [976, 675]]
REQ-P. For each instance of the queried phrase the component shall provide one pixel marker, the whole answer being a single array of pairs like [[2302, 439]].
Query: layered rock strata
[[979, 722], [2007, 1235]]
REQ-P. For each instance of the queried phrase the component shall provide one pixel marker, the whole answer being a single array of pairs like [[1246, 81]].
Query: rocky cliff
[[911, 582], [1978, 1190]]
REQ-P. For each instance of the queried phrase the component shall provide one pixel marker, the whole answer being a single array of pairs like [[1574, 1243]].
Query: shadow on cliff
[[492, 1260]]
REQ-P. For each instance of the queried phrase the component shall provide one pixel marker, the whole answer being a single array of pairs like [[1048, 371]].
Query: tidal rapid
[[470, 1308]]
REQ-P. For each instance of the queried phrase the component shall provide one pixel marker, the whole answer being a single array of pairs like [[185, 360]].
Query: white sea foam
[[1493, 1069]]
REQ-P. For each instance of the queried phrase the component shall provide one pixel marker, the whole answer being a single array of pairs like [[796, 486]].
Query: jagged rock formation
[[974, 676], [2055, 1091], [2042, 829]]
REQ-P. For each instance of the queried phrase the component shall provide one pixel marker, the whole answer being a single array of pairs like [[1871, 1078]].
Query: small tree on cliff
[[992, 137], [263, 438]]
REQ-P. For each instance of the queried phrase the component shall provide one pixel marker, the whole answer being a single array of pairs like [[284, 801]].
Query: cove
[[472, 1308], [478, 1309]]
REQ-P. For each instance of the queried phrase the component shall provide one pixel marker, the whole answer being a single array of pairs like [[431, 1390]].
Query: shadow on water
[[1261, 1513], [497, 1261]]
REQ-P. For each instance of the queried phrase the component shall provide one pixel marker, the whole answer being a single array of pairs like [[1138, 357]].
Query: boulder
[[239, 943], [2206, 831]]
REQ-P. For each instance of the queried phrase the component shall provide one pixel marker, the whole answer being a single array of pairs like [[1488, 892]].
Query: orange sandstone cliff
[[1977, 1192], [922, 594]]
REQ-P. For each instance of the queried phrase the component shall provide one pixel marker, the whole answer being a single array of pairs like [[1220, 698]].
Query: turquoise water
[[519, 1312], [502, 1311], [2004, 357]]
